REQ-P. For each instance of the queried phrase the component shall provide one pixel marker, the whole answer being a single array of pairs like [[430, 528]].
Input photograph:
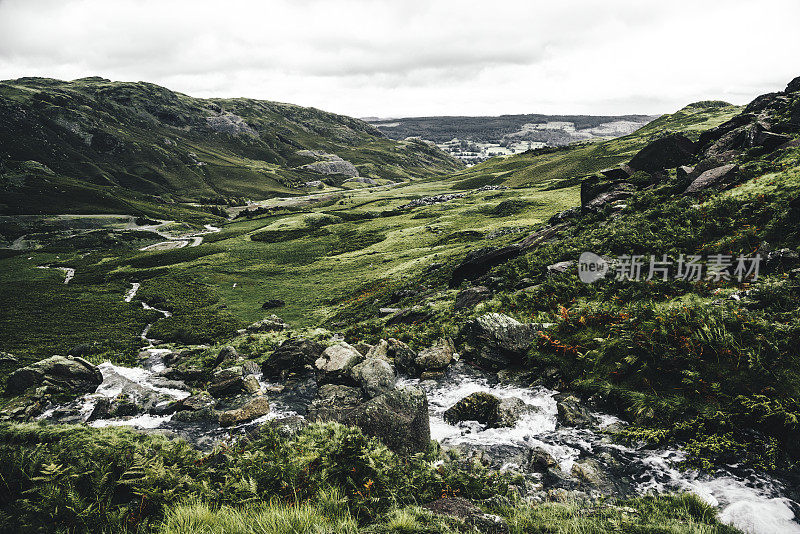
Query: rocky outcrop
[[331, 164], [227, 382], [230, 124], [498, 341], [59, 374], [665, 153], [292, 357]]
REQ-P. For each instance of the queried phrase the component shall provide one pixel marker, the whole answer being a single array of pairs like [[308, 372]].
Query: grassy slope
[[109, 142], [584, 159]]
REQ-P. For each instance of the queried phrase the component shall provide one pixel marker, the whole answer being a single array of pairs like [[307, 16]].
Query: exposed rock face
[[336, 363], [253, 409], [665, 153], [497, 340], [470, 297], [487, 409], [332, 164], [399, 418], [60, 374], [291, 357], [719, 176], [375, 376], [230, 124]]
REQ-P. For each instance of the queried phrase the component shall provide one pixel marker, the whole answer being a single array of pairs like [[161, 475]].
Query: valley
[[388, 340]]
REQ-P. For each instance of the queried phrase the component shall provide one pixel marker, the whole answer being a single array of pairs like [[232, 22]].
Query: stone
[[463, 510], [227, 382], [470, 297], [719, 176], [61, 374], [619, 191], [196, 402], [540, 460], [497, 340], [362, 347], [436, 357], [399, 418], [588, 472], [273, 323], [226, 353], [572, 412], [617, 173], [480, 406], [251, 385], [336, 362], [292, 356], [380, 350], [487, 409], [7, 359], [253, 409], [374, 376], [273, 303], [665, 153], [560, 267], [793, 86]]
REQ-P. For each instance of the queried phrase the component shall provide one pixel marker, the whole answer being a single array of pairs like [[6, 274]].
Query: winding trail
[[187, 240]]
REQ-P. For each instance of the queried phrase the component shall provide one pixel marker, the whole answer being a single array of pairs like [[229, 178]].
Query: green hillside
[[93, 145], [575, 161]]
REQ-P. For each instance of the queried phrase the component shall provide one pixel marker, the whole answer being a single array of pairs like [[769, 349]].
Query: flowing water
[[749, 500]]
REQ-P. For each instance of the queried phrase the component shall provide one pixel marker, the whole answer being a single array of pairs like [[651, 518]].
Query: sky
[[400, 58]]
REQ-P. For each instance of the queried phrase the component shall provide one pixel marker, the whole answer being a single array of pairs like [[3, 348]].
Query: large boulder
[[436, 357], [252, 409], [60, 374], [487, 409], [399, 418], [336, 363], [375, 376], [497, 340], [665, 153], [793, 86], [719, 176], [227, 382], [292, 356]]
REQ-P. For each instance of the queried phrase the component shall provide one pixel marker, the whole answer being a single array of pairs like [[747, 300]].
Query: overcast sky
[[393, 58]]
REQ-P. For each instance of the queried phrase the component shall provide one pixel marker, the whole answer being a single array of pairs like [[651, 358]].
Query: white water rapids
[[746, 499]]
